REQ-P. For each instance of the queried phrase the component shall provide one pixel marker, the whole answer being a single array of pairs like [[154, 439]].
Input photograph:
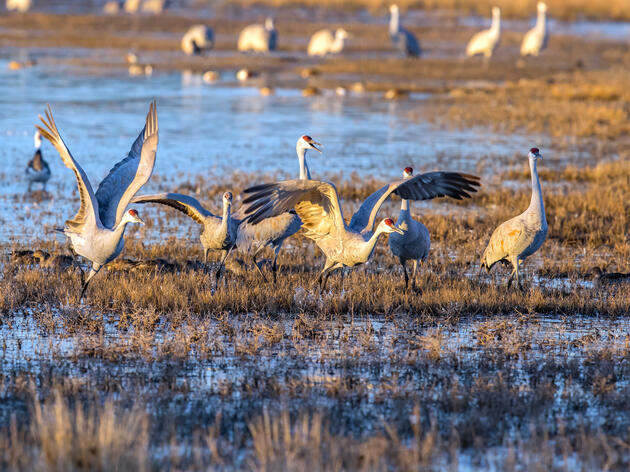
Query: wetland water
[[208, 129]]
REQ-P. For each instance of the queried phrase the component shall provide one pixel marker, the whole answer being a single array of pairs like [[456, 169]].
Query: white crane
[[37, 169], [414, 244], [521, 236], [258, 38], [402, 38], [273, 231], [317, 204], [535, 39], [21, 6], [197, 39], [326, 42], [486, 41], [219, 232], [96, 231]]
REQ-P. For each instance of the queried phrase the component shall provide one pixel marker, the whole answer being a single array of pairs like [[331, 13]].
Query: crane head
[[393, 8], [133, 217], [542, 6], [496, 11], [407, 172], [306, 142], [227, 196], [37, 140], [534, 153], [390, 227]]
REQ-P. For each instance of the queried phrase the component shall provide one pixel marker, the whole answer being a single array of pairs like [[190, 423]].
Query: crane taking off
[[96, 231]]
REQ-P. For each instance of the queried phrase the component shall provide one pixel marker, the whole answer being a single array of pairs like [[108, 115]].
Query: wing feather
[[130, 174], [187, 205], [88, 211], [419, 187]]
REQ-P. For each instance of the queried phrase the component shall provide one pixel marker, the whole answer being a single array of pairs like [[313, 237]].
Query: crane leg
[[205, 260], [92, 273], [274, 265], [226, 254], [260, 248], [402, 263], [323, 275], [413, 275]]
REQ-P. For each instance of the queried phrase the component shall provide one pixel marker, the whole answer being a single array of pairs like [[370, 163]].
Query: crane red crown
[[228, 195], [306, 138], [409, 170], [133, 212], [534, 151], [389, 222]]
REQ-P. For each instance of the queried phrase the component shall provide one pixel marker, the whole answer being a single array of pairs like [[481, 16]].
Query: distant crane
[[486, 41], [96, 231], [326, 42], [535, 39], [21, 6], [37, 169], [402, 38], [258, 38], [198, 38], [415, 243], [317, 204], [219, 232], [273, 231], [521, 236]]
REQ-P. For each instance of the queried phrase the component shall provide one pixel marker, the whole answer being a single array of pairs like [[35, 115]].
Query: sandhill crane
[[132, 6], [326, 42], [402, 38], [96, 231], [37, 169], [155, 7], [197, 39], [21, 6], [414, 244], [317, 204], [112, 7], [535, 39], [521, 236], [258, 38], [253, 238], [486, 41], [219, 232]]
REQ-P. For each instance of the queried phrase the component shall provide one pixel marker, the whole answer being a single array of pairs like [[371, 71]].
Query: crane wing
[[315, 202], [419, 187], [125, 179], [88, 211], [188, 205]]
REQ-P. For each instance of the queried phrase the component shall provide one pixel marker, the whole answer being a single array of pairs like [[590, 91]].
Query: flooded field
[[156, 369]]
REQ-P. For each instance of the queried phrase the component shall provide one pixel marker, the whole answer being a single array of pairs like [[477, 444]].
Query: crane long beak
[[398, 230], [313, 145]]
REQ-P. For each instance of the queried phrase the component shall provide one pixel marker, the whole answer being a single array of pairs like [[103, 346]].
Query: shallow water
[[205, 129]]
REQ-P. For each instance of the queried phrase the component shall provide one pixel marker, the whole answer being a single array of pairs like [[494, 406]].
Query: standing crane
[[414, 244], [273, 231], [317, 204], [96, 231], [521, 236], [326, 42], [402, 38], [258, 38], [37, 169], [219, 232], [486, 41], [197, 39], [535, 40]]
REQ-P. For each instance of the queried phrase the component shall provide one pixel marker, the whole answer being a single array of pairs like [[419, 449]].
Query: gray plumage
[[401, 38], [37, 169], [219, 232], [96, 231]]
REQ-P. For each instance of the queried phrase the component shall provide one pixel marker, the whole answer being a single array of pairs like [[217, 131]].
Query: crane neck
[[227, 211], [368, 246], [541, 21], [536, 204], [495, 27], [337, 45], [394, 22], [304, 172]]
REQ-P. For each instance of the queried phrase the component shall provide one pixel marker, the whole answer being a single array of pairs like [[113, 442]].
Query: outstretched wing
[[88, 212], [183, 203], [125, 179], [419, 187], [315, 202]]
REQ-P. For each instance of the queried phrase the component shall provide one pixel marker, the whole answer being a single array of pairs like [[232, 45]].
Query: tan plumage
[[486, 41], [197, 39], [317, 205], [516, 239], [326, 42], [535, 40], [258, 38]]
